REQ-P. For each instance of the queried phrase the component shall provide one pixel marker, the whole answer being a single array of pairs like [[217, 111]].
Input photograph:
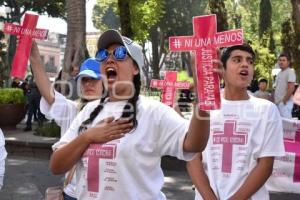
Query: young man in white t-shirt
[[245, 135]]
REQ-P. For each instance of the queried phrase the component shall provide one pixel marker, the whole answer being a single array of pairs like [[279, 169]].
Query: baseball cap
[[112, 36], [90, 68]]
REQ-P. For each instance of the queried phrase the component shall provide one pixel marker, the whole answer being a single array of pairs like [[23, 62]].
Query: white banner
[[286, 171]]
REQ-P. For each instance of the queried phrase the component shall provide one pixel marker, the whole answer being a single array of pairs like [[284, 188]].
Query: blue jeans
[[67, 197]]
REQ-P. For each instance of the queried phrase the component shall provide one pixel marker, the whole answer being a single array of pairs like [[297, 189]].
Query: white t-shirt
[[63, 111], [283, 78], [129, 168], [3, 155], [240, 133]]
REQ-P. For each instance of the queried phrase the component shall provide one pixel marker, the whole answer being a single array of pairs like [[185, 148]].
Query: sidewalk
[[18, 142]]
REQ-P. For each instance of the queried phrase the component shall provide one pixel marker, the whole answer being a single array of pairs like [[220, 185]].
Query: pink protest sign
[[26, 32], [204, 43], [169, 86]]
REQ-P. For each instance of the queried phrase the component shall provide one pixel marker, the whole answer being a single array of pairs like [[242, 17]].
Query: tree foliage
[[143, 15], [288, 36], [18, 8], [177, 20], [105, 15], [260, 19], [264, 62]]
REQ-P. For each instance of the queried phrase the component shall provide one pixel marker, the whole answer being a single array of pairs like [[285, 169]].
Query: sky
[[58, 25]]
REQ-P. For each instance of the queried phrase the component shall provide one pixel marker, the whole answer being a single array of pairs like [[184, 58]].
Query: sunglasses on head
[[118, 53]]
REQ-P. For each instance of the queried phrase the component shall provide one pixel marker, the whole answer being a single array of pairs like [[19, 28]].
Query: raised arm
[[40, 75]]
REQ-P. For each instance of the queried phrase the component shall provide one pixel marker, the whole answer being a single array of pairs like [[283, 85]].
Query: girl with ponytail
[[117, 144]]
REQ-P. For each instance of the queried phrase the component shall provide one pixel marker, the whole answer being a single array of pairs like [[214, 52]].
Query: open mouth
[[244, 73], [111, 74]]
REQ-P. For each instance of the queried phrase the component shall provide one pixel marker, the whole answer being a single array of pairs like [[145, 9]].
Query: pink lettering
[[204, 42], [23, 49]]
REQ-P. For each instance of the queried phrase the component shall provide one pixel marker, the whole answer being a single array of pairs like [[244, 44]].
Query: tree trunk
[[265, 22], [218, 7], [296, 14], [155, 53], [125, 18], [296, 23], [76, 51]]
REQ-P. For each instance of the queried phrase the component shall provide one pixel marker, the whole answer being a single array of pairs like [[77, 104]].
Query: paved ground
[[27, 178]]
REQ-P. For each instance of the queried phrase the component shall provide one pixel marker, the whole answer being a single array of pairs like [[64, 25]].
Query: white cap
[[112, 36]]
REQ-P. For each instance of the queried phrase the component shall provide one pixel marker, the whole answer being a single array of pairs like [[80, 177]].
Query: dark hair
[[227, 52], [128, 112], [285, 54], [263, 80]]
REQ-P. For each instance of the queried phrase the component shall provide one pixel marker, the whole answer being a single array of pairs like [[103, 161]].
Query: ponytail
[[93, 114], [128, 111]]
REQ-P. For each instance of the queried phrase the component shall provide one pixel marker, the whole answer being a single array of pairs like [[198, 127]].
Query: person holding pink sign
[[128, 167], [245, 136]]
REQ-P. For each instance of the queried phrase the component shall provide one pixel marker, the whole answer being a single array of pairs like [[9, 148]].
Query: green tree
[[265, 22], [264, 62], [249, 19], [288, 37], [105, 15], [265, 17], [144, 15]]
